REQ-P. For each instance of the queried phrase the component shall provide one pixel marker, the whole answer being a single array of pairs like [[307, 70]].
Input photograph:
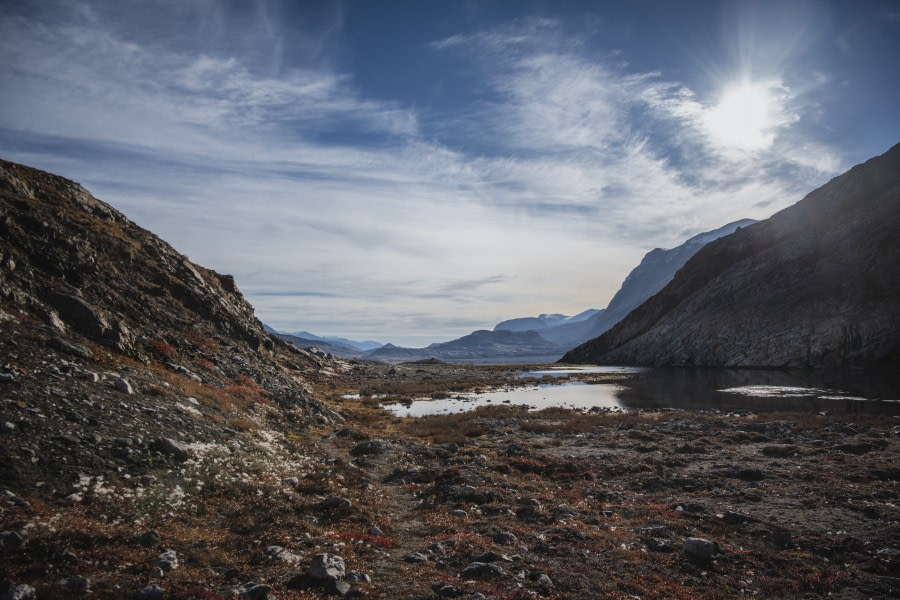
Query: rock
[[467, 490], [699, 549], [544, 581], [326, 567], [479, 570], [416, 558], [149, 539], [460, 513], [369, 448], [254, 591], [170, 447], [658, 545], [291, 481], [335, 503], [505, 537], [167, 561], [123, 385], [11, 540], [67, 558], [76, 583], [7, 427], [374, 530], [338, 588], [20, 591], [489, 557], [357, 577], [151, 592], [90, 377], [7, 378], [72, 348], [279, 553], [445, 590]]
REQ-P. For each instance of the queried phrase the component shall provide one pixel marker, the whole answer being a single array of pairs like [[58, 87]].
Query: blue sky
[[412, 171]]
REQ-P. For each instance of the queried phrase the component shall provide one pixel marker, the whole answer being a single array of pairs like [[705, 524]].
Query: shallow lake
[[725, 390]]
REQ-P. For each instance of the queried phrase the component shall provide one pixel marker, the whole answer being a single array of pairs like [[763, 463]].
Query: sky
[[410, 171]]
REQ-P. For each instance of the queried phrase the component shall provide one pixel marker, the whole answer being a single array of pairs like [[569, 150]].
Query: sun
[[743, 119]]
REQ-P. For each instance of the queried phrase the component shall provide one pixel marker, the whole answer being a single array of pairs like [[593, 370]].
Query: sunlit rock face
[[817, 285]]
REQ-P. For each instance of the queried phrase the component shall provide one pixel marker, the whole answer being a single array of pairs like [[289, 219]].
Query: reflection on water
[[584, 369], [837, 393]]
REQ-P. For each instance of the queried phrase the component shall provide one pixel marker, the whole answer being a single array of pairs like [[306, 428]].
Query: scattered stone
[[699, 549], [90, 376], [544, 581], [374, 530], [254, 591], [76, 583], [658, 545], [369, 448], [505, 537], [170, 447], [11, 540], [327, 567], [167, 561], [149, 539], [479, 570], [21, 591], [335, 503], [7, 427], [460, 513], [416, 558], [67, 558], [123, 385], [490, 556], [57, 343], [291, 481], [735, 518], [279, 553], [151, 592], [7, 378], [445, 590], [467, 490]]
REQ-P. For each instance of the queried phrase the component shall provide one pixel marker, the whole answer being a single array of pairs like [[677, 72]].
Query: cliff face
[[817, 285]]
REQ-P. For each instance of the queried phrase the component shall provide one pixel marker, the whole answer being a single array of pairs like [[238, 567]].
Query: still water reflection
[[837, 393]]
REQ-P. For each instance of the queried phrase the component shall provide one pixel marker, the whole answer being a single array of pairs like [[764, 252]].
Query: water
[[726, 390]]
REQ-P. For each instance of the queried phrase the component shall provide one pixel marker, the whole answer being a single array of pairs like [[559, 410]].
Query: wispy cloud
[[340, 212]]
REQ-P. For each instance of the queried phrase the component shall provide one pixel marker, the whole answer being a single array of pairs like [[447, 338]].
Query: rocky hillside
[[817, 285], [110, 334]]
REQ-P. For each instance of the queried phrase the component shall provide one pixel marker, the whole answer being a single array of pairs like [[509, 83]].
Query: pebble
[[699, 549], [123, 385], [151, 592], [254, 591], [149, 539], [327, 567], [21, 591], [505, 537], [76, 583], [167, 561], [479, 570]]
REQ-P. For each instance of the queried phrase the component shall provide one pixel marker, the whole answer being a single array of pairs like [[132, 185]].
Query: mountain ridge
[[814, 286]]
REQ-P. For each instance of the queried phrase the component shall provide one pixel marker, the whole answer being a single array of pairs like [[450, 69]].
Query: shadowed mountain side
[[817, 285]]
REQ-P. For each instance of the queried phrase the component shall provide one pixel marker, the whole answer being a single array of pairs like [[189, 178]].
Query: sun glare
[[743, 117]]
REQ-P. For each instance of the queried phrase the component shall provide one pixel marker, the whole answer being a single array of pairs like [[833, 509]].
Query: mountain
[[543, 321], [338, 346], [656, 269], [108, 333], [816, 285], [479, 346]]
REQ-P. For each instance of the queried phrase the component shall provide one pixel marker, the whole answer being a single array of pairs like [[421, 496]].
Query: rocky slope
[[817, 285]]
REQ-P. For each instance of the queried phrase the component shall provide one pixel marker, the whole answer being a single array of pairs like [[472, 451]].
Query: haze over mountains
[[545, 337], [816, 285]]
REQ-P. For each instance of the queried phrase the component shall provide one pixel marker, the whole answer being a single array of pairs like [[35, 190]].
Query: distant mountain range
[[816, 285], [544, 338]]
